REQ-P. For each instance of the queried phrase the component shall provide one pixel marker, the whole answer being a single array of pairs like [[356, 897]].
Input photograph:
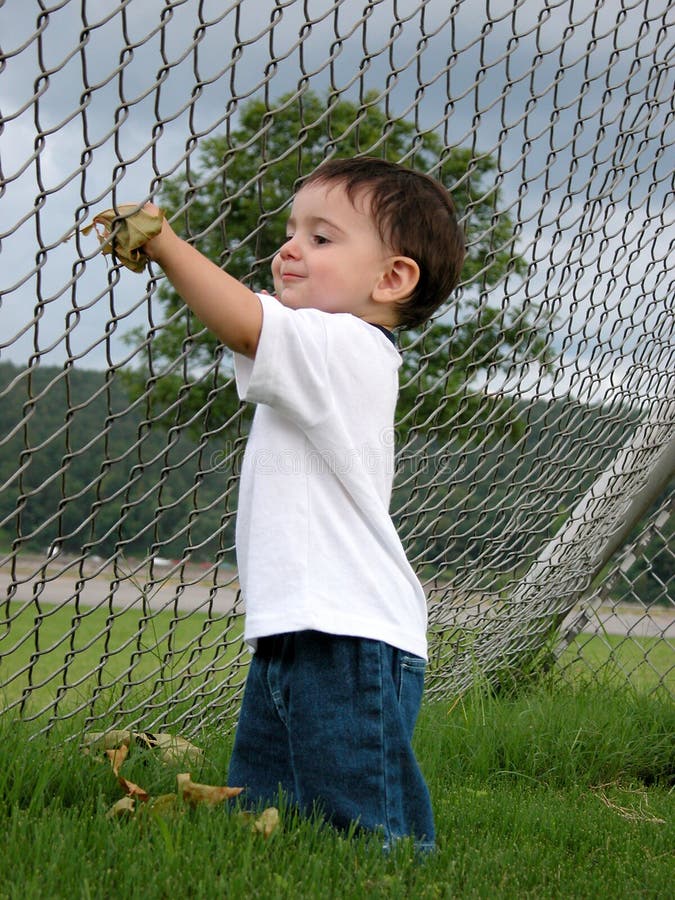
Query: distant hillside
[[81, 464]]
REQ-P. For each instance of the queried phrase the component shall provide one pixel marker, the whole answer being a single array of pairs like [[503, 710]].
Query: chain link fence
[[535, 438]]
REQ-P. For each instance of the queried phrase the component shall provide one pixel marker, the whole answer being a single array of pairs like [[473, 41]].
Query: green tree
[[233, 205]]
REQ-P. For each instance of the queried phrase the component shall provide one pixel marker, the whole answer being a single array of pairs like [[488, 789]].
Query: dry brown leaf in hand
[[124, 231], [194, 793]]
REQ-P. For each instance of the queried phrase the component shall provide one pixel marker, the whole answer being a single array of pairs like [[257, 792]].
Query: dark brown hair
[[415, 217]]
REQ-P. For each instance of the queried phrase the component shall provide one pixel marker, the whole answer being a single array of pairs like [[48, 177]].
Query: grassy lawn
[[557, 793], [62, 658], [563, 790], [646, 663]]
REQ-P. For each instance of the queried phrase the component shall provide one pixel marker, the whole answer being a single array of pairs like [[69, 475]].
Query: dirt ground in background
[[57, 582], [192, 585]]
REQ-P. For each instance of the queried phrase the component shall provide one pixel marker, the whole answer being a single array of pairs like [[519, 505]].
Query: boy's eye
[[320, 239]]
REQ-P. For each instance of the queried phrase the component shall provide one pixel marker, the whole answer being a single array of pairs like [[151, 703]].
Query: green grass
[[60, 654], [646, 663], [560, 792]]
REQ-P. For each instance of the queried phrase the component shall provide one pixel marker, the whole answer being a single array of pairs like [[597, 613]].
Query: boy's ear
[[398, 281]]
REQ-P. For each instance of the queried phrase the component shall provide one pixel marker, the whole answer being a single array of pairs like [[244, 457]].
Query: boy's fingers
[[133, 227]]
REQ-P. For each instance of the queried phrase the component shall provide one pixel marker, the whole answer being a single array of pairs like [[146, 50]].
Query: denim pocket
[[410, 689]]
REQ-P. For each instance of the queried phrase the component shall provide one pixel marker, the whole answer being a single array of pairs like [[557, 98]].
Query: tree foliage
[[233, 205]]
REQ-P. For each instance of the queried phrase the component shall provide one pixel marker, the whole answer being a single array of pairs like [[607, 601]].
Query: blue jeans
[[328, 720]]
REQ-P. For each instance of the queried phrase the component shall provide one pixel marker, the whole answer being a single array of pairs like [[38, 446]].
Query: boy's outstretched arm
[[228, 309]]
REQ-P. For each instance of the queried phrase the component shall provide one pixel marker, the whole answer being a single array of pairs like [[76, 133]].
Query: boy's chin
[[287, 299]]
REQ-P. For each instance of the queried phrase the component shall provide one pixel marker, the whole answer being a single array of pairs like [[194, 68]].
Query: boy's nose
[[289, 249]]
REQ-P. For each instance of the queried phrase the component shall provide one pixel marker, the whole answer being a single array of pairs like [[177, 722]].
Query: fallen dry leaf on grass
[[116, 746], [106, 740], [163, 805], [124, 231], [267, 822], [194, 793], [133, 790], [124, 807], [117, 755], [170, 747]]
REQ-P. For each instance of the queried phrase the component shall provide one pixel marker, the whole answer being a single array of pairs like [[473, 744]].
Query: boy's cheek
[[276, 274]]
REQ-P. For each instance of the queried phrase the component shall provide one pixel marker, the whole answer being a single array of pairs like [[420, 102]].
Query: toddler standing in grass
[[334, 611]]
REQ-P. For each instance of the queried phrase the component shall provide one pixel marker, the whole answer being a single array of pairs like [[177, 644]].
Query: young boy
[[333, 609]]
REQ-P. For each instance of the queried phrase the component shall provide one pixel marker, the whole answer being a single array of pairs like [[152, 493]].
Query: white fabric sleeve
[[290, 369]]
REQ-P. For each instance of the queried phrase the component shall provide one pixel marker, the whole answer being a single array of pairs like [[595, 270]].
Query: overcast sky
[[575, 103]]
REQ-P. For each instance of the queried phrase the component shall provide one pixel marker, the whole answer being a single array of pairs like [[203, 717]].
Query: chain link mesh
[[534, 497]]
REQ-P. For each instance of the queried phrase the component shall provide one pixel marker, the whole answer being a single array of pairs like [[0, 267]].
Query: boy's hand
[[228, 308], [158, 243], [128, 232]]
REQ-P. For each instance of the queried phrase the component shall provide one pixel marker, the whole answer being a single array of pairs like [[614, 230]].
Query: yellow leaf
[[105, 740], [163, 805], [123, 807], [194, 793], [171, 747], [267, 822]]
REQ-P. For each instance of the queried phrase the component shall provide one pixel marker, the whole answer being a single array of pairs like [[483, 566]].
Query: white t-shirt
[[316, 546]]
